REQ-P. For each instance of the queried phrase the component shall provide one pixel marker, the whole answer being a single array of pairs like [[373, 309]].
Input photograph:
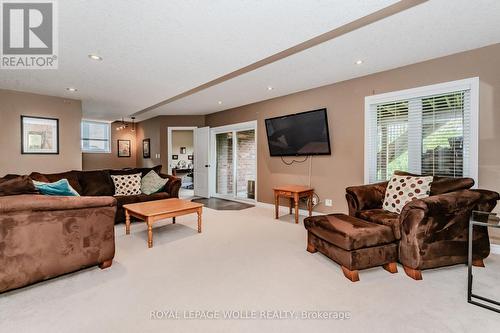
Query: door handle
[[207, 165]]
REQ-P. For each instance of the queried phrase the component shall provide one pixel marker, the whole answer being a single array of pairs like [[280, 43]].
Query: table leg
[[150, 232], [199, 219], [276, 205], [173, 220], [291, 205], [127, 222], [296, 202], [310, 204]]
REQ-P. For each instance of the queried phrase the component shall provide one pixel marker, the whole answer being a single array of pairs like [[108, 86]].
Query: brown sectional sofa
[[99, 183], [45, 236]]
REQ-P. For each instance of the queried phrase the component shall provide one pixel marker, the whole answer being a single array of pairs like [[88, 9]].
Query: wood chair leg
[[391, 267], [351, 275], [311, 248], [415, 274], [106, 264], [478, 263]]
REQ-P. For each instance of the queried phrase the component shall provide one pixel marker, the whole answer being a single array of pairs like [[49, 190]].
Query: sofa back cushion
[[71, 176], [96, 183], [131, 171], [441, 185], [16, 185]]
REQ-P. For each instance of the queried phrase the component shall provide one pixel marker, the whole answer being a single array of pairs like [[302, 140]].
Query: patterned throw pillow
[[152, 183], [127, 184], [403, 189]]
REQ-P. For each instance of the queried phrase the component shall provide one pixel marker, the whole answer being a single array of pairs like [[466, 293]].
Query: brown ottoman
[[353, 243]]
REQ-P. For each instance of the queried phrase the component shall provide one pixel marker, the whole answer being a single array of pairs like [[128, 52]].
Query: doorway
[[181, 158], [234, 160]]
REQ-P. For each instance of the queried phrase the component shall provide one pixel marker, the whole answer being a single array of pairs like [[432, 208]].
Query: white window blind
[[96, 137], [421, 132]]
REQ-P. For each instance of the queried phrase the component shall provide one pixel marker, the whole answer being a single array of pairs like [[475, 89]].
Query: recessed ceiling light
[[220, 102], [95, 57], [269, 88], [72, 89], [359, 62]]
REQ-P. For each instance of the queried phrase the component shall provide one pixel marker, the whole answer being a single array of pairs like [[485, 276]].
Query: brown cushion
[[71, 176], [441, 185], [17, 185], [384, 217], [347, 232], [96, 183]]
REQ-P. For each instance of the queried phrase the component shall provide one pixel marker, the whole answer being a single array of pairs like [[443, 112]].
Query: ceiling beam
[[327, 36]]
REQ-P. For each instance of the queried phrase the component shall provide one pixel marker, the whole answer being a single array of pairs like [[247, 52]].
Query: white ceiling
[[156, 49]]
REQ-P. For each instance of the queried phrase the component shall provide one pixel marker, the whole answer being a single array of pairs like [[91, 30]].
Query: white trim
[[471, 84], [495, 248], [169, 142], [249, 125]]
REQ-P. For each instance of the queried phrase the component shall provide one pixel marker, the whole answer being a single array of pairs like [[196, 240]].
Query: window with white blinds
[[430, 130], [96, 137]]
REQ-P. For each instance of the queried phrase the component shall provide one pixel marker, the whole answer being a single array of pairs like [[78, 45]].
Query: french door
[[234, 161]]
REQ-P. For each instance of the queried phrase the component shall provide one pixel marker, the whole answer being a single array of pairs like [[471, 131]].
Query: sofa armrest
[[173, 185], [33, 203], [365, 197], [434, 230], [488, 200]]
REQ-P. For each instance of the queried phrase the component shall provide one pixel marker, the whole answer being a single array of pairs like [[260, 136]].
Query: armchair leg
[[311, 248], [351, 275], [478, 263], [106, 264], [415, 274], [391, 267]]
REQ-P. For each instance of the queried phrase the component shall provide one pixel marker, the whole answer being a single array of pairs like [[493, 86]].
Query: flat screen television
[[299, 134]]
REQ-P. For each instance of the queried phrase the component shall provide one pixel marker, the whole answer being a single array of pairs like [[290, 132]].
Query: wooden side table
[[294, 193]]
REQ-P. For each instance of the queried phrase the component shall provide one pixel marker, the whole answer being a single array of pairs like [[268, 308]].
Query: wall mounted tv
[[299, 134]]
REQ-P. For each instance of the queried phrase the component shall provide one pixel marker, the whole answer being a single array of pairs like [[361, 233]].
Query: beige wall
[[345, 103], [94, 161], [182, 138], [156, 130], [13, 104]]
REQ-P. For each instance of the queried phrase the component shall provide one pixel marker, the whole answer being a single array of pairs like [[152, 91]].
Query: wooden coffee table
[[152, 211]]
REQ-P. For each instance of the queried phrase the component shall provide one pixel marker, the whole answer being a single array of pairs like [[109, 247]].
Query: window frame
[[470, 84], [108, 123]]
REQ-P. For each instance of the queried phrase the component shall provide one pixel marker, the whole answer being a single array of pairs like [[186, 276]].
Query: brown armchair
[[432, 232]]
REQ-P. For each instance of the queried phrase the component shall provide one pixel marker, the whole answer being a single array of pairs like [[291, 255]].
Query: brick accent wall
[[224, 147]]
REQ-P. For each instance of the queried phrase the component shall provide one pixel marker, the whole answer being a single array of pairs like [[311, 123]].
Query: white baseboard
[[285, 210], [495, 248]]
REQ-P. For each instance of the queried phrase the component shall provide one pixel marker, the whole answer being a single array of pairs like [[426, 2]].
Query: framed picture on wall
[[190, 157], [183, 150], [39, 135], [124, 148], [175, 157], [146, 148]]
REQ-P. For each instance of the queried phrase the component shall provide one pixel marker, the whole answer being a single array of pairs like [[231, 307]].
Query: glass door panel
[[224, 164], [246, 164]]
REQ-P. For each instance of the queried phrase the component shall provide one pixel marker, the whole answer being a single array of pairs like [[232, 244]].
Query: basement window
[[96, 136], [430, 130]]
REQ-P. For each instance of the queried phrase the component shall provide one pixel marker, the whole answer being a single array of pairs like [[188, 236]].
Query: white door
[[201, 161]]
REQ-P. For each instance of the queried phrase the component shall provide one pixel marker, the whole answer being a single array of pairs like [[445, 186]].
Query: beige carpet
[[244, 260]]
